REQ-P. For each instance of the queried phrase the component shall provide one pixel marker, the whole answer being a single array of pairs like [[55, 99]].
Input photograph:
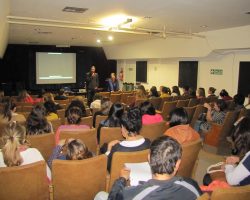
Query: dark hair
[[239, 99], [77, 150], [147, 108], [8, 108], [192, 93], [22, 95], [115, 114], [76, 103], [166, 90], [154, 92], [224, 93], [221, 104], [132, 121], [164, 154], [212, 89], [74, 115], [50, 107], [241, 136], [61, 92], [201, 92], [186, 88], [141, 87], [175, 89], [178, 116], [36, 122]]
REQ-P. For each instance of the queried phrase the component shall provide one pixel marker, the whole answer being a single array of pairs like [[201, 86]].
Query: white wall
[[4, 26]]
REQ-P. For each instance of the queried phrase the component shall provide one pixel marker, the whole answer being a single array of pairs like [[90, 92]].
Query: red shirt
[[151, 119]]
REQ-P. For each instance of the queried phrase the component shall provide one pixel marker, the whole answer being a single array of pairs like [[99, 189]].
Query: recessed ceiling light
[[74, 9], [98, 41], [204, 26], [110, 38]]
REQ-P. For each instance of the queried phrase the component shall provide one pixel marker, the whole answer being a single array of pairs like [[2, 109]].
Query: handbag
[[214, 172]]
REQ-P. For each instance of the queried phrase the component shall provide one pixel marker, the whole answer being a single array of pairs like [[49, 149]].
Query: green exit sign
[[216, 71]]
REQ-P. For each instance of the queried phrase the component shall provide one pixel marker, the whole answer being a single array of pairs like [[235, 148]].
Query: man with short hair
[[164, 161]]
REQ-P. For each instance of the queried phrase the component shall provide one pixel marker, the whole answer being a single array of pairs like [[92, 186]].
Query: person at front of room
[[92, 83], [113, 84]]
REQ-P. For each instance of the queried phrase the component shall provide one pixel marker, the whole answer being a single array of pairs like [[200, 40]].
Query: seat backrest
[[27, 108], [124, 97], [79, 179], [212, 99], [193, 102], [167, 108], [24, 182], [114, 98], [156, 102], [99, 118], [88, 136], [138, 102], [45, 143], [190, 111], [130, 100], [199, 109], [56, 123], [120, 158], [105, 94], [163, 99], [62, 101], [232, 193], [61, 115], [153, 131], [190, 153], [109, 134], [87, 121], [182, 103]]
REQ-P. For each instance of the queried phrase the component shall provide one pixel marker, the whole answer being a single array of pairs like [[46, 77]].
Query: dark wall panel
[[243, 80], [141, 71]]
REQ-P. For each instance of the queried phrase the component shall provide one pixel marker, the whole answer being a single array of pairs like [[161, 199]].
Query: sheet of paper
[[139, 172]]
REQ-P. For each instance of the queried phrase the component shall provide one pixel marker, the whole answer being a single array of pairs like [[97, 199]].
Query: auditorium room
[[124, 100]]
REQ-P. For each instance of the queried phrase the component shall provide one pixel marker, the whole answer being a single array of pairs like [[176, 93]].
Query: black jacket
[[92, 81]]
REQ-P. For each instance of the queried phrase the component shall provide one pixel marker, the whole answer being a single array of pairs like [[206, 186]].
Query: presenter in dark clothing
[[92, 83], [113, 84]]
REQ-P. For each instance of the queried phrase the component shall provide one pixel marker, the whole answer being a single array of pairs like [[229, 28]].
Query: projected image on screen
[[55, 68]]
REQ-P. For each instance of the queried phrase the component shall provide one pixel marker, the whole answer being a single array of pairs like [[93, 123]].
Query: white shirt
[[96, 104], [30, 155]]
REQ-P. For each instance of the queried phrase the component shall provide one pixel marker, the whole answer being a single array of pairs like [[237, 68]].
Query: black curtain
[[243, 79]]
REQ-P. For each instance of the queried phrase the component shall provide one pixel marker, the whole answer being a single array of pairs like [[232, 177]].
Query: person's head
[[224, 93], [241, 136], [192, 93], [166, 90], [140, 94], [50, 107], [36, 122], [185, 89], [76, 103], [22, 95], [201, 92], [105, 105], [74, 115], [175, 89], [61, 92], [147, 108], [220, 105], [154, 92], [92, 69], [211, 90], [142, 88], [115, 114], [112, 76], [13, 135], [239, 99], [131, 122], [165, 156], [8, 109], [77, 150], [48, 97], [178, 116]]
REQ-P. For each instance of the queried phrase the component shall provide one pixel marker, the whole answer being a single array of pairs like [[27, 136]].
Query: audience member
[[48, 96], [165, 92], [75, 149], [149, 116], [79, 104], [51, 112], [153, 92], [185, 90], [61, 95], [211, 91], [164, 160], [201, 93], [96, 104], [25, 97], [191, 94], [175, 91], [179, 127], [224, 95], [37, 123], [131, 125], [238, 102], [113, 84]]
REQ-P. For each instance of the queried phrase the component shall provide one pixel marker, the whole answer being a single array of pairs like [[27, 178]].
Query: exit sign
[[216, 71]]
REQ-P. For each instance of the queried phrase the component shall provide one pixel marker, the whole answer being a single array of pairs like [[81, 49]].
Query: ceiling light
[[98, 41], [110, 38], [204, 26], [74, 9], [117, 20]]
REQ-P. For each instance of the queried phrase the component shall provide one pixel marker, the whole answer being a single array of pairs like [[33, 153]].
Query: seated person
[[179, 127], [24, 96], [79, 104], [113, 84], [61, 95], [96, 104], [211, 91], [51, 112], [73, 122], [175, 91], [164, 160], [48, 96], [192, 93], [201, 93], [185, 90], [113, 119], [105, 108], [131, 126], [37, 122], [165, 92], [9, 114], [216, 115], [225, 96], [149, 116], [153, 92], [75, 150], [15, 149], [238, 102]]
